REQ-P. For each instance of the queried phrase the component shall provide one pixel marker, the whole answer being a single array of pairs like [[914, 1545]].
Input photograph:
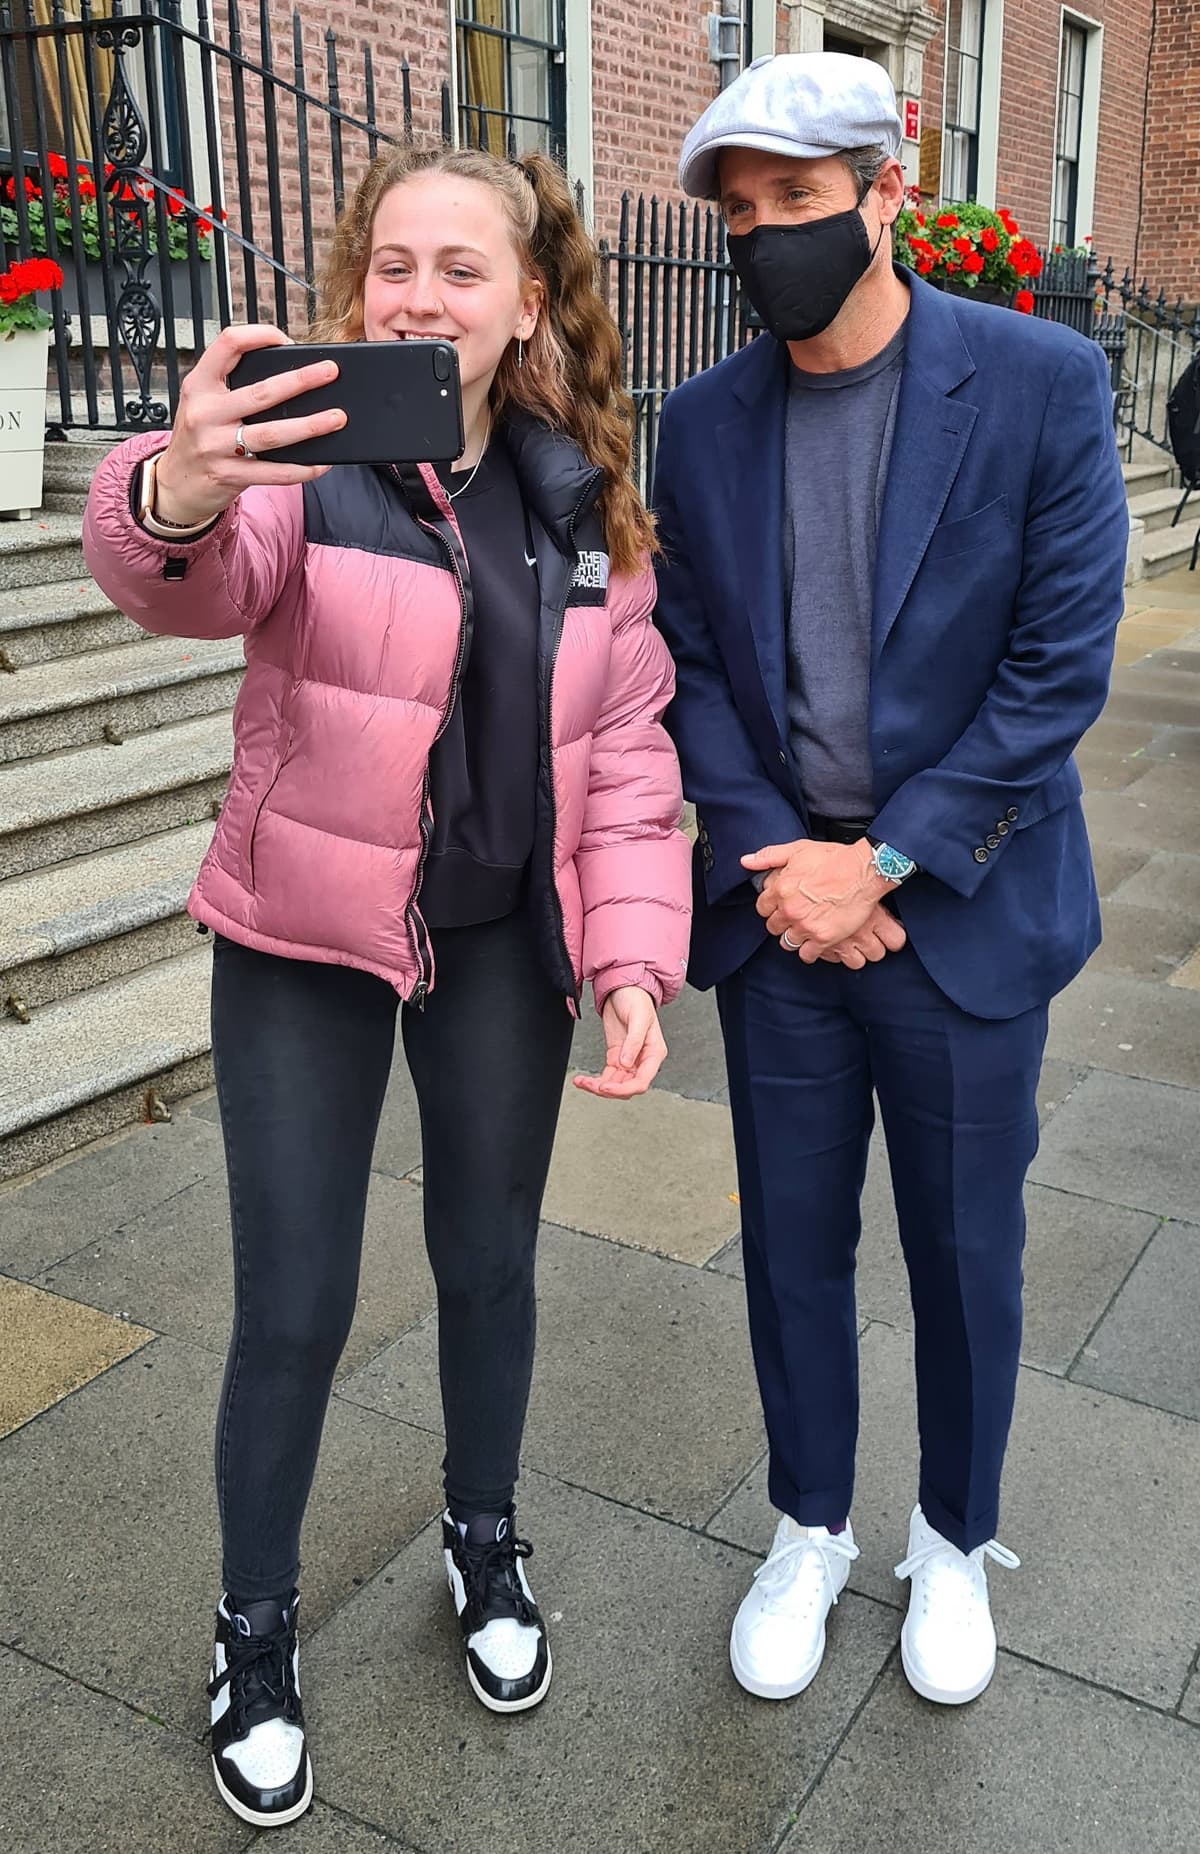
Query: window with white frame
[[1069, 146], [964, 91], [511, 58]]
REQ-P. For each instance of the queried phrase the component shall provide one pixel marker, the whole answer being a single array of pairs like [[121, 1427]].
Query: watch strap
[[158, 525]]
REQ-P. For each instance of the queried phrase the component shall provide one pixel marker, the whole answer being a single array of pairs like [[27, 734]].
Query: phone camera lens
[[441, 363]]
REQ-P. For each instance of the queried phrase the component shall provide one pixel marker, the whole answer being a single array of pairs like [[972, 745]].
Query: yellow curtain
[[75, 67], [485, 79]]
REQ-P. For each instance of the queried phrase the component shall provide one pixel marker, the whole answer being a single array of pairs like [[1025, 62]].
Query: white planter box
[[22, 419]]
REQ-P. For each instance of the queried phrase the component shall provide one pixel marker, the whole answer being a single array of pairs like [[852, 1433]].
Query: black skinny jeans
[[303, 1053]]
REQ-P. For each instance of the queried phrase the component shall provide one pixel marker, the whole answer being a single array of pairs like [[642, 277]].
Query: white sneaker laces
[[946, 1565], [779, 1570]]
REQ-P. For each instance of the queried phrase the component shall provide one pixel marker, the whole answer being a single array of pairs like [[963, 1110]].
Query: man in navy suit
[[894, 535]]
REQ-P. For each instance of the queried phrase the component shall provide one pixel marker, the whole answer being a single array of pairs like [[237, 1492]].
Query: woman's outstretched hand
[[635, 1049]]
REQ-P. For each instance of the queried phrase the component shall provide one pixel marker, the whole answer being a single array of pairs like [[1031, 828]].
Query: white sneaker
[[778, 1636], [948, 1642]]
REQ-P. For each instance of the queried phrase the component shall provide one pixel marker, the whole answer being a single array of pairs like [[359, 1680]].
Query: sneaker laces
[[946, 1564], [778, 1571], [260, 1675], [493, 1588]]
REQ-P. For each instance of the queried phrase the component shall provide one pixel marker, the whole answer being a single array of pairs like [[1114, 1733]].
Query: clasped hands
[[827, 899]]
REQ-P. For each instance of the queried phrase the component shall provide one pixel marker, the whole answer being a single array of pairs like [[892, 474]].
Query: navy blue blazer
[[998, 588]]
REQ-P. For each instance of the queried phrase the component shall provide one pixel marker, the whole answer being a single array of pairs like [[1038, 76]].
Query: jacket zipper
[[556, 900], [416, 926]]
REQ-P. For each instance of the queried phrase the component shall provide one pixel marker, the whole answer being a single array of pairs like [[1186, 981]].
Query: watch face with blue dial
[[892, 866]]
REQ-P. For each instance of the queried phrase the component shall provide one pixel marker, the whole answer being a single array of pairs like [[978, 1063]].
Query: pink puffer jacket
[[353, 595]]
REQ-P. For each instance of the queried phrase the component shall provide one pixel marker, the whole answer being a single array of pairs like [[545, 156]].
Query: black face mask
[[799, 276]]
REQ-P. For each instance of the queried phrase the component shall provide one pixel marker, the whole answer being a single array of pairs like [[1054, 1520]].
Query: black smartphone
[[402, 400]]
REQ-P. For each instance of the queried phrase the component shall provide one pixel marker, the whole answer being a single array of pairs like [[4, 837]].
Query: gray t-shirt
[[839, 442]]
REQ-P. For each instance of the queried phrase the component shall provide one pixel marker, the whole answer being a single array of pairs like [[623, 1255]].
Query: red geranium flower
[[989, 238], [974, 263], [1009, 223], [57, 167], [946, 221], [924, 266], [962, 246], [1023, 300]]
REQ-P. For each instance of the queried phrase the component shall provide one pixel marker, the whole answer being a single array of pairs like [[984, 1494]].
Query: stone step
[[77, 924], [81, 1068], [34, 552], [73, 465], [1156, 507], [93, 798], [1170, 548], [1146, 474], [62, 619], [71, 701], [64, 501]]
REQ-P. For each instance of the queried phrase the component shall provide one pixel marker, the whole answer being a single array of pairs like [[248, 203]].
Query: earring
[[520, 350]]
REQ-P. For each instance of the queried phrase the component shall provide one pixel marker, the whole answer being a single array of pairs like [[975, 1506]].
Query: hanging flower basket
[[970, 251]]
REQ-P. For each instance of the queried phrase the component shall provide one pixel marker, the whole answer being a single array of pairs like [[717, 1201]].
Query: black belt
[[837, 830]]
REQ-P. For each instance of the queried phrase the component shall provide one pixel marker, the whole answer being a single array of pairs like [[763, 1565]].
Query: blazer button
[[1002, 827], [981, 855], [993, 843], [1012, 814]]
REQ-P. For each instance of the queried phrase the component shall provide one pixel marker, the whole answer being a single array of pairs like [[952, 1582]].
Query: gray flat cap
[[802, 104]]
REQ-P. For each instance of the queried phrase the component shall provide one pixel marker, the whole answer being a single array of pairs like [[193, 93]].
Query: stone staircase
[[114, 752], [1152, 490]]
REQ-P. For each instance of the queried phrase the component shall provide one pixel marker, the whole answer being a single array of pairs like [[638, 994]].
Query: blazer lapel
[[928, 445], [751, 453]]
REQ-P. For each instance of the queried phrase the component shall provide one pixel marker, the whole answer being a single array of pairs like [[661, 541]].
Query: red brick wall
[[651, 78], [1029, 75], [1169, 248]]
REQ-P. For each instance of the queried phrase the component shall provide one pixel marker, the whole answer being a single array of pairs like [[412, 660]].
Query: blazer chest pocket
[[982, 528]]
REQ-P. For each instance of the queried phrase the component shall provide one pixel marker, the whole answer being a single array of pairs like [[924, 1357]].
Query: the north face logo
[[591, 575]]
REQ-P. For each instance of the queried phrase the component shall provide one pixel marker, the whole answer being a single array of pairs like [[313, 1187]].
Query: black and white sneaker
[[508, 1655], [259, 1756]]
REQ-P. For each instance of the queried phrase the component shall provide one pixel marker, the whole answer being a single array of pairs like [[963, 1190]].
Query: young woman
[[450, 787]]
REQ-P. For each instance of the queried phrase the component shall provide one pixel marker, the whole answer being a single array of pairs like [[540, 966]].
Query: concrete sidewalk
[[644, 1482]]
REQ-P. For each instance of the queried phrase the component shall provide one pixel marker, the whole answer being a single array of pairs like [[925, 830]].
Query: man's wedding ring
[[787, 940], [240, 447]]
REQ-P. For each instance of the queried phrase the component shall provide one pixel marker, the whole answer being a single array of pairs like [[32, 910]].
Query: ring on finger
[[240, 447], [785, 939]]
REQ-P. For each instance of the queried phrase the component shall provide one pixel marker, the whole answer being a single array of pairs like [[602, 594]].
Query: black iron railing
[[147, 183], [1160, 338], [676, 302]]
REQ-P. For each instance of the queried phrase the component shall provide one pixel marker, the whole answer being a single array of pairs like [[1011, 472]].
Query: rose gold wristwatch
[[157, 525]]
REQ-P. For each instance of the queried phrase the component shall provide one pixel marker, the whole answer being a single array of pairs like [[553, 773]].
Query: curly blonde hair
[[571, 372]]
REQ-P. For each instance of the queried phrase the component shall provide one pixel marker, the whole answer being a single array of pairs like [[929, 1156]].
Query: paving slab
[[1132, 1026], [1169, 882], [1188, 975], [95, 1778], [1105, 770], [1175, 745], [1127, 1141], [1148, 1346], [1038, 1763], [618, 1332], [327, 1831], [1190, 1708], [172, 1269], [1143, 942], [1057, 1082], [120, 1480], [1162, 809], [1126, 737], [1115, 863], [1080, 1463], [51, 1347], [644, 1751], [695, 1064], [656, 1173], [94, 1192]]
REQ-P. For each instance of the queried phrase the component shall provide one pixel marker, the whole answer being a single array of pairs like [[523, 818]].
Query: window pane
[[970, 36], [968, 94]]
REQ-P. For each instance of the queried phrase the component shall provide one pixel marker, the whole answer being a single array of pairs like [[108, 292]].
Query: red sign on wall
[[912, 120]]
